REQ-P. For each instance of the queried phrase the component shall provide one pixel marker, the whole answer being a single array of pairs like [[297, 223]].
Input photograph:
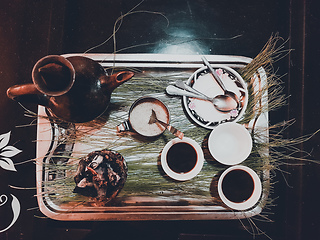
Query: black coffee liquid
[[237, 186], [181, 157]]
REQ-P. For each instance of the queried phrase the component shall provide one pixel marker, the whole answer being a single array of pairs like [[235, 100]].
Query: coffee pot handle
[[27, 93]]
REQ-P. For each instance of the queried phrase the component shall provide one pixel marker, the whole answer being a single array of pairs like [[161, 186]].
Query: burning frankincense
[[101, 174]]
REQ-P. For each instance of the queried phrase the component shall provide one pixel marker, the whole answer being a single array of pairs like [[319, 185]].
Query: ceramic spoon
[[219, 81]]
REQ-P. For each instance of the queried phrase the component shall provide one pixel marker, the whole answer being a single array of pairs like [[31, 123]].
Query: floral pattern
[[6, 152]]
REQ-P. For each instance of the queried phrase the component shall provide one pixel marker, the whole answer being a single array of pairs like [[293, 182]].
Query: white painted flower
[[15, 205], [6, 152]]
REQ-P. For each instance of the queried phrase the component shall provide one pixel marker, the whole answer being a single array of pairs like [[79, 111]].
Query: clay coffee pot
[[74, 89]]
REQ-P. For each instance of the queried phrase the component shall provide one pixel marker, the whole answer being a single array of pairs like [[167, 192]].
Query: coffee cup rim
[[256, 193], [182, 176]]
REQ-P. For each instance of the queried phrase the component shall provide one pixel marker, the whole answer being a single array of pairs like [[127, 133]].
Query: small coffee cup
[[182, 159], [238, 187], [230, 143], [139, 117]]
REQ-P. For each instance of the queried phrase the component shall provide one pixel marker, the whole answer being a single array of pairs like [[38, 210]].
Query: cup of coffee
[[239, 187], [139, 117], [182, 159]]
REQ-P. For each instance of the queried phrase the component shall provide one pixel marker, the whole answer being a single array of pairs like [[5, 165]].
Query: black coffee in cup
[[237, 186], [181, 157]]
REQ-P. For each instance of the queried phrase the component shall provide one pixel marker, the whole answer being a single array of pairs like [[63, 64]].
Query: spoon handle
[[172, 129], [172, 90], [213, 72], [175, 132], [183, 85]]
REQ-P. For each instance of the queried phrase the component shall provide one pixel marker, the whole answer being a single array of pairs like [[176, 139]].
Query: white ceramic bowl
[[256, 191], [230, 143], [182, 176]]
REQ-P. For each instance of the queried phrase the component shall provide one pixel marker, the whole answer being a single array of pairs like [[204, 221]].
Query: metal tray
[[147, 195]]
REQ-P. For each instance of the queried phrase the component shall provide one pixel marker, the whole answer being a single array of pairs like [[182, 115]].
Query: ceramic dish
[[203, 112], [182, 175], [254, 181], [230, 143]]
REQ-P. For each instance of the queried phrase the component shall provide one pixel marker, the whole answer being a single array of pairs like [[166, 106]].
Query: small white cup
[[239, 187], [230, 143], [182, 159]]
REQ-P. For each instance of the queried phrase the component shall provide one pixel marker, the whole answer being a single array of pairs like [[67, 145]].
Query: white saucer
[[203, 112]]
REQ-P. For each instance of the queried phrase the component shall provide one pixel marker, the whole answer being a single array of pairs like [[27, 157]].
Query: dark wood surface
[[30, 30]]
